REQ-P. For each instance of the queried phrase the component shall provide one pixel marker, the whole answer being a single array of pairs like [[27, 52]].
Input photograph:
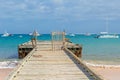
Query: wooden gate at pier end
[[58, 40]]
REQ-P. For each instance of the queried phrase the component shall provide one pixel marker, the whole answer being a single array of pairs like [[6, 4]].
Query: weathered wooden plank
[[44, 64], [51, 78]]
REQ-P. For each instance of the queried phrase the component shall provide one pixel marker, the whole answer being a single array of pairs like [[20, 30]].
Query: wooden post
[[80, 52], [52, 34], [63, 38], [34, 39]]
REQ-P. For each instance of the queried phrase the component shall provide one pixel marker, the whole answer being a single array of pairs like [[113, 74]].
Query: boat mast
[[107, 25]]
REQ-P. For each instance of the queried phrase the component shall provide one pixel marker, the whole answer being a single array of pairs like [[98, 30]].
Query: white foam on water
[[8, 64], [102, 65]]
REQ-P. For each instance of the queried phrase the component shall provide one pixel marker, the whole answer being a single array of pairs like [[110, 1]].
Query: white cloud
[[77, 9], [22, 9], [58, 2]]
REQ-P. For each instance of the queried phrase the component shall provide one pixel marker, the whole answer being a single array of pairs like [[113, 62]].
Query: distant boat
[[20, 36], [106, 34], [30, 34], [109, 36], [87, 34], [6, 34], [34, 33], [72, 34], [66, 33]]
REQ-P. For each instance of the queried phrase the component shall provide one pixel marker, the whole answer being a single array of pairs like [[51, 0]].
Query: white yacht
[[106, 35], [87, 34], [20, 36], [6, 34], [109, 36], [34, 33], [30, 34], [72, 34]]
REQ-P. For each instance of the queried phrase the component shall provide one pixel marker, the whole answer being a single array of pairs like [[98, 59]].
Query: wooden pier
[[53, 60]]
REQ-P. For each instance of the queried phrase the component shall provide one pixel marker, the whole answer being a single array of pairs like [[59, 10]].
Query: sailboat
[[6, 34], [87, 34], [106, 34], [30, 34], [34, 33], [72, 34], [20, 36]]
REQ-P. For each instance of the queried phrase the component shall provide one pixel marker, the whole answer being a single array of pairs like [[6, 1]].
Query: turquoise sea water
[[97, 50], [9, 45]]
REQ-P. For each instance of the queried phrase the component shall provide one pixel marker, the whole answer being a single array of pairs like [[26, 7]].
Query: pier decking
[[46, 63]]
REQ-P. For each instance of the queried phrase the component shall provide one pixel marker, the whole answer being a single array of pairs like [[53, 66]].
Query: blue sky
[[74, 16]]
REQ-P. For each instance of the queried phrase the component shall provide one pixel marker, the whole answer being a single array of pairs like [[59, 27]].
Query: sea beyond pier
[[106, 52]]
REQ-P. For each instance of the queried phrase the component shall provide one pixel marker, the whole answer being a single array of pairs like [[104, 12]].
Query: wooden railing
[[91, 71], [20, 65]]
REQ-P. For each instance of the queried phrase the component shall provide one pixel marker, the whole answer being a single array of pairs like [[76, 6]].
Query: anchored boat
[[106, 35], [34, 33], [6, 34]]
